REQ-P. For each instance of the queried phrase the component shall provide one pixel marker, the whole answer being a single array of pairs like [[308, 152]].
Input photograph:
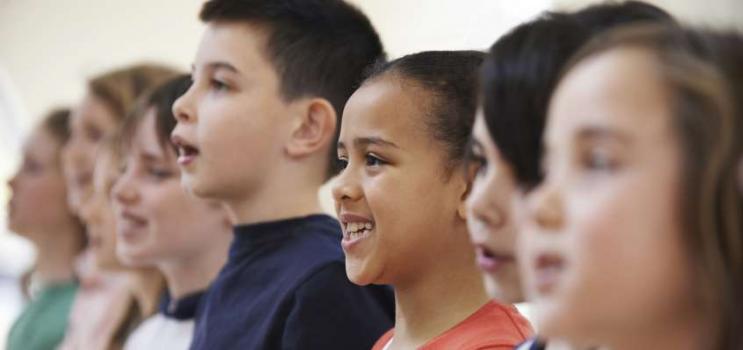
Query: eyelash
[[370, 160], [599, 160], [218, 85], [478, 160], [160, 174]]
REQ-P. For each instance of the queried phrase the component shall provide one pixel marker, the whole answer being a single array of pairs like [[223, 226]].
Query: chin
[[358, 275], [503, 291]]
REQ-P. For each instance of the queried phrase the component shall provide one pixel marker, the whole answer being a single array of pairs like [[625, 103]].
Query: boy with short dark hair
[[256, 131]]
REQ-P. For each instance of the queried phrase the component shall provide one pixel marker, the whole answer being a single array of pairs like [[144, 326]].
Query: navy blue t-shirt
[[285, 287]]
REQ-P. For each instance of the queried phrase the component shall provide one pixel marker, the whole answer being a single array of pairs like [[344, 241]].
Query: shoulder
[[493, 326], [383, 340]]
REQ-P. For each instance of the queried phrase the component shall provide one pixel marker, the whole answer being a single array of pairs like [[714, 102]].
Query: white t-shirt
[[161, 333]]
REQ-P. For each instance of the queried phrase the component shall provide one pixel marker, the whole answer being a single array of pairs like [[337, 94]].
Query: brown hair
[[161, 100], [703, 117], [120, 88]]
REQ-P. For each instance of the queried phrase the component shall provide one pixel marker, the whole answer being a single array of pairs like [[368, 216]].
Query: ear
[[470, 170], [314, 127]]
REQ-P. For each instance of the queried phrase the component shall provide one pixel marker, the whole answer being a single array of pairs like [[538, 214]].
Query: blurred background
[[49, 47]]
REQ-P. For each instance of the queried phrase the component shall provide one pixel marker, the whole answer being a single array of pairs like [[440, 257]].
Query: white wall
[[49, 47]]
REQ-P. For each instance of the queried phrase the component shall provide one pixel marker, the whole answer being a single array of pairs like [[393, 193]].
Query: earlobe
[[315, 127]]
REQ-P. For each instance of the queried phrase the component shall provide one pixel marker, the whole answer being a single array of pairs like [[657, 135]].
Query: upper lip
[[485, 250], [182, 144], [128, 215]]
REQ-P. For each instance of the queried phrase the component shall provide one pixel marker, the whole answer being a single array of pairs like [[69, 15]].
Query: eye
[[342, 163], [473, 158], [94, 134], [374, 161], [599, 159], [160, 173], [218, 85]]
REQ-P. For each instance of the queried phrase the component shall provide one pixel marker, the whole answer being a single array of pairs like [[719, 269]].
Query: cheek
[[172, 211]]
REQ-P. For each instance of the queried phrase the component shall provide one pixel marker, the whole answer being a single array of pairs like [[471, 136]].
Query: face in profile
[[157, 221], [90, 123], [37, 207], [97, 212], [602, 241], [233, 118], [398, 207], [490, 219]]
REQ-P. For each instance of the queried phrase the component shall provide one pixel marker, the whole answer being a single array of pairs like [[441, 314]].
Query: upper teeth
[[358, 226]]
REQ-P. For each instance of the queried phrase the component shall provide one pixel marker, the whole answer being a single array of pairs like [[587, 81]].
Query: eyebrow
[[150, 157], [597, 133], [362, 142], [217, 65], [222, 65]]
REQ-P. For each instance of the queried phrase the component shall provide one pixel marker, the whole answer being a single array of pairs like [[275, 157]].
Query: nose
[[123, 190], [545, 207], [481, 204], [346, 187], [183, 107]]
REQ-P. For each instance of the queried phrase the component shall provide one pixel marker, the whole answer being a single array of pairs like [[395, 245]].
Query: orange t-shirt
[[493, 326]]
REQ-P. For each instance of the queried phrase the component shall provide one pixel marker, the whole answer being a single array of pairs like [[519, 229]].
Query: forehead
[[41, 143], [388, 107], [145, 136], [620, 88], [93, 110], [242, 45]]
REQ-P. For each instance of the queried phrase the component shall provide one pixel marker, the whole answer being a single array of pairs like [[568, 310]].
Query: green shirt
[[42, 324]]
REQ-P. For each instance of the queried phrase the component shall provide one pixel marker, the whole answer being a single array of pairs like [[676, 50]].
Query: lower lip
[[350, 243], [186, 160], [545, 280], [492, 264], [129, 231]]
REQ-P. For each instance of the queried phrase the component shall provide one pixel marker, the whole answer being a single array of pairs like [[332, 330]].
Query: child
[[400, 200], [38, 211], [126, 294], [633, 240], [255, 131], [160, 225], [517, 78], [109, 98]]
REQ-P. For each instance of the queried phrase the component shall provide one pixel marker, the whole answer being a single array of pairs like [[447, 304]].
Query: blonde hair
[[121, 88]]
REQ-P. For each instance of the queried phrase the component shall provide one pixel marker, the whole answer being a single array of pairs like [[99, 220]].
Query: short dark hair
[[319, 48], [522, 70], [160, 99], [449, 79]]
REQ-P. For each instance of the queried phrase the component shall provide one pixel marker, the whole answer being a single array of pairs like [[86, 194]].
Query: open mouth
[[548, 268], [129, 225], [186, 151], [357, 230], [489, 260]]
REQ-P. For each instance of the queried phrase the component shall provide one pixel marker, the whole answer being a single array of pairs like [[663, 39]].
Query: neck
[[147, 285], [677, 333], [285, 201], [435, 301], [195, 273], [56, 257]]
